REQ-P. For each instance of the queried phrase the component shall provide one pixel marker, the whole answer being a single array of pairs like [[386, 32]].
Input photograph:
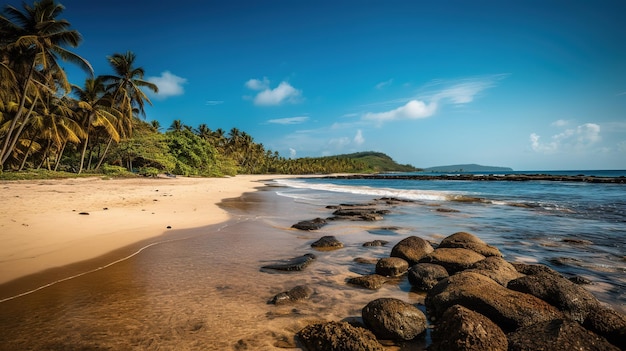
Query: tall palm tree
[[125, 88], [95, 110], [176, 126], [33, 42]]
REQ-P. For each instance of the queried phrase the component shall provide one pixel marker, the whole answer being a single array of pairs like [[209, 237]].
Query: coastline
[[48, 224]]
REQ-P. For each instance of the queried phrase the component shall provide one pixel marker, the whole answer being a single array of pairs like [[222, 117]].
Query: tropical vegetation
[[49, 124]]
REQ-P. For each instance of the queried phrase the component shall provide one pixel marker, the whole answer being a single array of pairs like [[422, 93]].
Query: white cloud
[[464, 91], [267, 96], [213, 102], [169, 85], [358, 138], [413, 109], [292, 152], [560, 123], [574, 139], [289, 120]]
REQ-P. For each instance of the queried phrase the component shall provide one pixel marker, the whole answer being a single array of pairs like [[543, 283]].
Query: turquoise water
[[576, 228]]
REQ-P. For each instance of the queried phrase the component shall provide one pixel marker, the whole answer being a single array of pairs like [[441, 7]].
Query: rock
[[577, 241], [84, 213], [337, 336], [446, 210], [557, 335], [327, 243], [313, 224], [461, 329], [391, 267], [293, 264], [365, 260], [497, 269], [571, 299], [471, 242], [425, 276], [509, 309], [376, 243], [453, 259], [298, 293], [358, 212], [394, 319], [578, 280], [609, 324], [411, 249], [532, 269], [372, 281]]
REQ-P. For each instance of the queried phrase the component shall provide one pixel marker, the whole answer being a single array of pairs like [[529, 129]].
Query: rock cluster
[[475, 300]]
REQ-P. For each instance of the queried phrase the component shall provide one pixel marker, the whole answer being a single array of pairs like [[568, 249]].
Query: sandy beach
[[52, 223]]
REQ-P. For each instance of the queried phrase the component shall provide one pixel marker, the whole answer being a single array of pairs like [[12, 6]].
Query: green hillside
[[378, 162]]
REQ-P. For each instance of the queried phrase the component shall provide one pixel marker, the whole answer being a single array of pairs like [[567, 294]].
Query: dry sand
[[41, 225]]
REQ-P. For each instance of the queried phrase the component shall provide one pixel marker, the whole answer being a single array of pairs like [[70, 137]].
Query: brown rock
[[453, 259], [391, 266], [609, 324], [497, 269], [372, 281], [411, 249], [461, 329], [425, 276], [471, 242], [298, 293], [507, 308], [327, 243], [394, 319], [557, 335], [337, 336]]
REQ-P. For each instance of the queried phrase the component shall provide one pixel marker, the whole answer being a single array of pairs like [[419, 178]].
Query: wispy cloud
[[358, 138], [213, 102], [267, 96], [560, 123], [434, 95], [384, 84], [289, 120], [573, 139], [169, 85]]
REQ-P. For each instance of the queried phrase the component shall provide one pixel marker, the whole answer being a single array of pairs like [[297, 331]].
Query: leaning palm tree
[[33, 42]]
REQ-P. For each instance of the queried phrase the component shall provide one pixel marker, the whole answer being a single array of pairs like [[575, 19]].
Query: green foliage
[[379, 162], [116, 171], [30, 174], [148, 171], [193, 155]]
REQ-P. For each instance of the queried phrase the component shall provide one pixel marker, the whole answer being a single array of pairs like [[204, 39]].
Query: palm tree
[[95, 110], [176, 126], [126, 93], [33, 41]]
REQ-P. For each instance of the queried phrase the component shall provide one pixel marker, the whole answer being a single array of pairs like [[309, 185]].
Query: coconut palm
[[33, 41]]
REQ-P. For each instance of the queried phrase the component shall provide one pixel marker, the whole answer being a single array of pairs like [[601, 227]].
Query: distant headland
[[472, 167]]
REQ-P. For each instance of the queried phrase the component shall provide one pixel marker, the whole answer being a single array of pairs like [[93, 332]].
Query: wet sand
[[200, 289]]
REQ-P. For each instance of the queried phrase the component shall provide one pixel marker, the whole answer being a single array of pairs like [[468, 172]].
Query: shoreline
[[51, 224]]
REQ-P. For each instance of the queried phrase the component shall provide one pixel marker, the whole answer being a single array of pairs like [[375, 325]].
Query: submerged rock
[[313, 224], [337, 336], [411, 249], [394, 319], [557, 335], [372, 281], [425, 276], [294, 264], [298, 293], [376, 243], [461, 329], [327, 243], [391, 266]]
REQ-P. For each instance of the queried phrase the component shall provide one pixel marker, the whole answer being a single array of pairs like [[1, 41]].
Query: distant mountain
[[467, 168], [379, 162]]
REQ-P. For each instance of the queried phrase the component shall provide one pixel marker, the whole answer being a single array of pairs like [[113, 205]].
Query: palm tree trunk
[[32, 140], [82, 154], [58, 160], [104, 153]]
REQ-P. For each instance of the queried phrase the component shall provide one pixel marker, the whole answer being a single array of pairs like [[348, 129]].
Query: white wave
[[430, 195]]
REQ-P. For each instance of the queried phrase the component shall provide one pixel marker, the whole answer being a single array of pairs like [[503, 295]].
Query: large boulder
[[609, 324], [497, 269], [507, 308], [372, 281], [471, 242], [572, 299], [327, 243], [391, 266], [337, 336], [424, 276], [298, 293], [557, 335], [313, 224], [394, 319], [461, 329], [532, 269], [453, 259], [411, 249]]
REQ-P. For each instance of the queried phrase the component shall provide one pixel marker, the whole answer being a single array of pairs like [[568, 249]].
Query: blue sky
[[531, 85]]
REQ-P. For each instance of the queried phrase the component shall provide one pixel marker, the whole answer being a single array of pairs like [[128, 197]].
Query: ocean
[[204, 289]]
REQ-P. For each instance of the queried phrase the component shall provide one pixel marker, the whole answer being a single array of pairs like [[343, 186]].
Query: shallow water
[[203, 289]]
